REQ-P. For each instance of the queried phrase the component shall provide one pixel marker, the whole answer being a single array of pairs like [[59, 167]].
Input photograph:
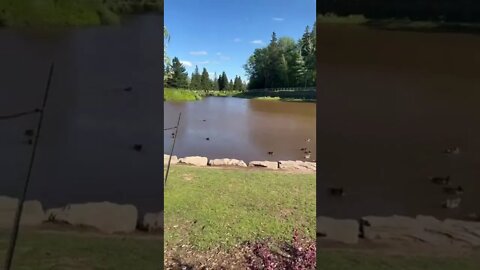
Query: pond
[[85, 147], [245, 129], [389, 104]]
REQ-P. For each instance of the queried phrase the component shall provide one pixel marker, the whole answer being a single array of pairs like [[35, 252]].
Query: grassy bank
[[42, 250], [210, 207], [70, 12], [286, 95], [171, 94], [398, 24], [343, 260]]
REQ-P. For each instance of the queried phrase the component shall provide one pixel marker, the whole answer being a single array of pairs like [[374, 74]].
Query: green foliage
[[170, 94], [284, 63], [205, 83], [195, 82], [70, 12], [179, 77]]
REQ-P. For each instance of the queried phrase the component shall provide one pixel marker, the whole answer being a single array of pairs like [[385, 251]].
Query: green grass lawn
[[347, 260], [69, 12], [47, 250], [171, 94], [210, 207]]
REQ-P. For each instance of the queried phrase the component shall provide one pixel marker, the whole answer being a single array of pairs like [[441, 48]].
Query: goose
[[339, 192], [453, 190], [137, 147], [29, 132], [454, 151], [441, 180], [452, 203]]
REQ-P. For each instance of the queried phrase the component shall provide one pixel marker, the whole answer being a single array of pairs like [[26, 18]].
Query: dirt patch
[[188, 177]]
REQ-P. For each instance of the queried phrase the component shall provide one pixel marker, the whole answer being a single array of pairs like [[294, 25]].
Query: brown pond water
[[389, 103], [241, 128], [85, 148]]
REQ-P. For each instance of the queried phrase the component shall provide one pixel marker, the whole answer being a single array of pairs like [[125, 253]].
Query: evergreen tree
[[195, 83], [230, 85], [179, 75], [205, 80], [223, 82]]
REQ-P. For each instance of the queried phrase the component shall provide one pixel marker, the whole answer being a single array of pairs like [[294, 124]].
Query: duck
[[455, 150], [441, 180], [453, 190], [307, 140], [137, 147], [338, 192], [173, 135], [452, 203], [270, 153], [303, 149], [29, 132], [208, 139], [128, 89], [30, 142], [307, 156], [204, 120]]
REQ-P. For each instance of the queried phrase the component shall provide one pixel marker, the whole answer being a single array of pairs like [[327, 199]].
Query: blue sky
[[220, 35]]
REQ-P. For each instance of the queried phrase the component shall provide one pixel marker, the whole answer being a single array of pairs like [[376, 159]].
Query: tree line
[[284, 62], [176, 76], [431, 10]]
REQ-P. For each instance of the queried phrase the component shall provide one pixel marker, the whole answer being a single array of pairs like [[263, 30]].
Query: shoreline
[[400, 24], [281, 165]]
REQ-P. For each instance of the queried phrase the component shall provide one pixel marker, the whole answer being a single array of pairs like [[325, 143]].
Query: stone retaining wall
[[290, 165], [104, 216], [425, 229]]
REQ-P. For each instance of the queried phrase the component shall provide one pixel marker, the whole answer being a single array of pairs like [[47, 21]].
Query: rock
[[423, 228], [227, 162], [153, 221], [173, 161], [264, 164], [104, 216], [466, 231], [32, 213], [297, 165], [195, 161], [393, 227], [339, 230]]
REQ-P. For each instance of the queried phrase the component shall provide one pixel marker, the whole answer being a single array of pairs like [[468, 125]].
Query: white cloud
[[257, 41], [198, 53], [278, 19], [237, 40], [186, 63]]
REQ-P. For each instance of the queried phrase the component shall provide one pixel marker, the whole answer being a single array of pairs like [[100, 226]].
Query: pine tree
[[179, 75], [230, 85], [205, 80]]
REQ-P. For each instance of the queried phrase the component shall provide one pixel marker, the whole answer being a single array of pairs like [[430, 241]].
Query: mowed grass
[[210, 207], [346, 260], [171, 94], [42, 250]]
